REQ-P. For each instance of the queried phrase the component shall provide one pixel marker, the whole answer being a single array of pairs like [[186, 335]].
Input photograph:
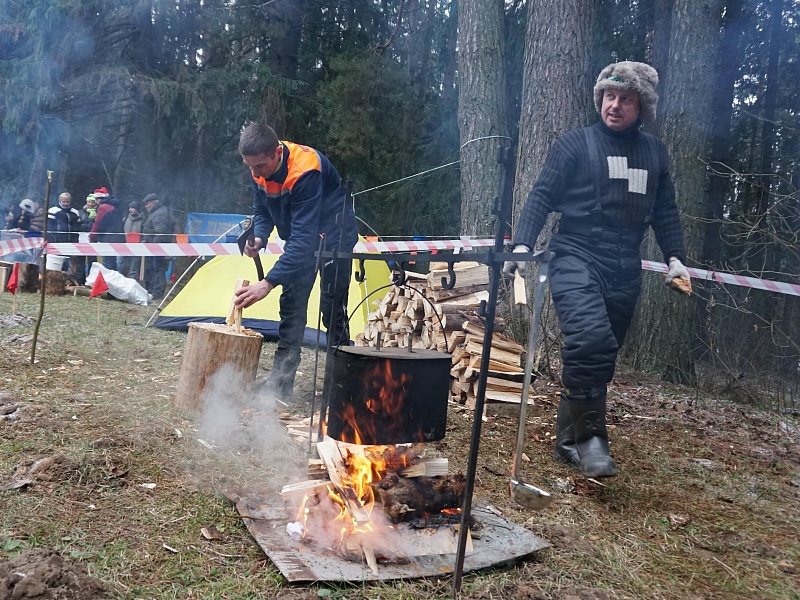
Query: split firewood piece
[[234, 317], [316, 469], [520, 295], [303, 488], [427, 467], [329, 451], [369, 555], [682, 285]]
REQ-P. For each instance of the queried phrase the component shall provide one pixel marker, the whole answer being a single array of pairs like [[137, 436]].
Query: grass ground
[[705, 505]]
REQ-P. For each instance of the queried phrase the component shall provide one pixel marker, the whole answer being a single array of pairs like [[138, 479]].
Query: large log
[[28, 278], [56, 283], [409, 498], [209, 348]]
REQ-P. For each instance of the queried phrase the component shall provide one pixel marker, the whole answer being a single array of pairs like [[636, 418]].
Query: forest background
[[149, 96]]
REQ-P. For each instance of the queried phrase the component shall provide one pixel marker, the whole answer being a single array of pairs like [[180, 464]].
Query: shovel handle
[[538, 303]]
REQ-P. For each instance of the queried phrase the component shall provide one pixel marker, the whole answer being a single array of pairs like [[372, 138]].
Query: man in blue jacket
[[297, 190]]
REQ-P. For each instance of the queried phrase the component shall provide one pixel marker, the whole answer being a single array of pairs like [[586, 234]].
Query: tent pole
[[189, 268]]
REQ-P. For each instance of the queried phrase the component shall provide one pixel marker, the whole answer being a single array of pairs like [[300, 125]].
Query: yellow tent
[[207, 298]]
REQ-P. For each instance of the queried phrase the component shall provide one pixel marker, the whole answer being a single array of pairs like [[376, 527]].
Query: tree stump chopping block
[[210, 348]]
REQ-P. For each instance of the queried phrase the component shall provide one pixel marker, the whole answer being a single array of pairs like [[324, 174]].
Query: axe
[[248, 235]]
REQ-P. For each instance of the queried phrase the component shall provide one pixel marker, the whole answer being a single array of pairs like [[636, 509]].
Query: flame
[[325, 516]]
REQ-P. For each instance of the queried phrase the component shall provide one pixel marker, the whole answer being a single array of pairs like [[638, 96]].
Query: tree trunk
[[664, 335], [661, 40], [285, 47], [727, 72], [557, 82], [482, 110], [556, 86], [448, 54]]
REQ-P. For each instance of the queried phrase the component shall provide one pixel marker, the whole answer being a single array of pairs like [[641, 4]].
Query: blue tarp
[[205, 228]]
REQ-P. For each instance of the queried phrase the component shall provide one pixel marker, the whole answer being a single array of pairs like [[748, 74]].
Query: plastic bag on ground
[[119, 286]]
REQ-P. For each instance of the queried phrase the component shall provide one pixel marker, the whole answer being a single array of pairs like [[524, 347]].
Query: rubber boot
[[565, 451], [588, 411]]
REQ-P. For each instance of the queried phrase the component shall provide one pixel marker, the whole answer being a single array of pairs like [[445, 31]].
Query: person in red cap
[[108, 225]]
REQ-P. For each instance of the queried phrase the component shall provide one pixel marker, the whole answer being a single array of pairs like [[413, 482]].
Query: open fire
[[378, 502]]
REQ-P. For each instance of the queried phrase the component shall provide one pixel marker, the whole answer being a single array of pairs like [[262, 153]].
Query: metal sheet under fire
[[501, 543]]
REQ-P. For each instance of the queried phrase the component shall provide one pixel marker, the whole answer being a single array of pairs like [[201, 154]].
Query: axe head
[[248, 233]]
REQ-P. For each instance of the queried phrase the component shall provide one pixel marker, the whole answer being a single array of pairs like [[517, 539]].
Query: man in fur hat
[[610, 182]]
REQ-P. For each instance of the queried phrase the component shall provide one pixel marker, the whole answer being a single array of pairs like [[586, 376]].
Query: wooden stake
[[98, 311], [14, 306]]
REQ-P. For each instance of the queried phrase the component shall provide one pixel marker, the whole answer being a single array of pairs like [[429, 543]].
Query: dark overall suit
[[304, 200], [609, 186]]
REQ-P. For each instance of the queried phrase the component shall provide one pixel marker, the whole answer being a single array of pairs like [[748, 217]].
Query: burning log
[[329, 452], [403, 498]]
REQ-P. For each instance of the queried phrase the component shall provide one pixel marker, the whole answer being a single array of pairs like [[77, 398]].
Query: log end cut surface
[[224, 329]]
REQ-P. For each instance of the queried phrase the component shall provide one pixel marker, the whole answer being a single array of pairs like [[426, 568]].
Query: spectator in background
[[63, 224], [158, 227], [13, 213], [88, 215], [63, 221], [129, 265], [31, 219], [108, 225]]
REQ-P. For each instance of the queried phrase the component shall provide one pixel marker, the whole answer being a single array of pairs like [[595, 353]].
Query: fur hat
[[628, 75], [27, 206]]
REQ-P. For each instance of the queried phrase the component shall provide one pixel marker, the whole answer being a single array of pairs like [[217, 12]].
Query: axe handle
[[259, 267]]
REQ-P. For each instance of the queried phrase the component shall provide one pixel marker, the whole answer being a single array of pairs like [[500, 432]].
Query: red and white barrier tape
[[276, 247], [125, 249], [19, 245], [751, 282]]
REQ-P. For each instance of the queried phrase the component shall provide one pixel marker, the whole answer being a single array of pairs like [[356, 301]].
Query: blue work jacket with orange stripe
[[302, 199]]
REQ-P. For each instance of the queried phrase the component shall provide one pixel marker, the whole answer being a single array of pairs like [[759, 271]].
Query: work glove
[[512, 266], [676, 269]]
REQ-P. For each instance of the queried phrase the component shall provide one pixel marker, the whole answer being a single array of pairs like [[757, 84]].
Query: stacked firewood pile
[[423, 314]]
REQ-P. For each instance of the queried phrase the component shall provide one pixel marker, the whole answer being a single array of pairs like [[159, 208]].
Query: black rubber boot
[[565, 451], [588, 411]]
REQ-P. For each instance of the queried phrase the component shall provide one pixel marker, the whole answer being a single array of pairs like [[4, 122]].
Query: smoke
[[241, 430]]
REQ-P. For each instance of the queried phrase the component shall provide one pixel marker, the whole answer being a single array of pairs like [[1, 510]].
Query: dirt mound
[[47, 471], [46, 575]]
